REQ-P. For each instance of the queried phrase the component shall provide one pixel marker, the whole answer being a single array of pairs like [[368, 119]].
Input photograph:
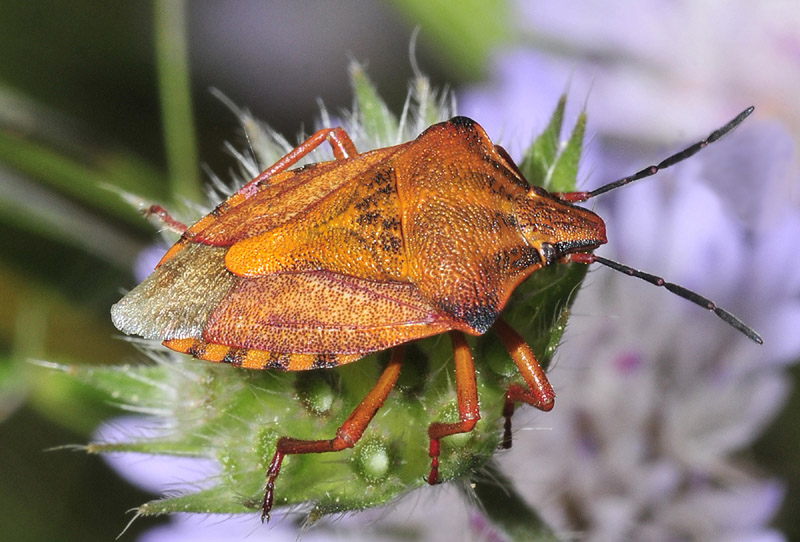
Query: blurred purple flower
[[516, 104], [158, 474], [147, 260], [659, 67], [654, 394]]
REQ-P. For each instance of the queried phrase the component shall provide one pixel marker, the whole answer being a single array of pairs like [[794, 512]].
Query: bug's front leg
[[468, 408], [346, 436], [540, 393]]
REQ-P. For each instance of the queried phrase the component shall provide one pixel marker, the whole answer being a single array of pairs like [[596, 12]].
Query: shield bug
[[315, 267]]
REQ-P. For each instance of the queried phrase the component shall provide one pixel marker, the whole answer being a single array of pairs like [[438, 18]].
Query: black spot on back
[[462, 122], [478, 317]]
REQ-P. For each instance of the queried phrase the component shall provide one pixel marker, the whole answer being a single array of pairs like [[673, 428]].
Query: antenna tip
[[746, 113]]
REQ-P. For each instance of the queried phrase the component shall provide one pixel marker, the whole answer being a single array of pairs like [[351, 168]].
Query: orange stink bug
[[315, 267]]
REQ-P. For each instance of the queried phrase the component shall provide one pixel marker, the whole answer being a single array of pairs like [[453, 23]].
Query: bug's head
[[556, 228]]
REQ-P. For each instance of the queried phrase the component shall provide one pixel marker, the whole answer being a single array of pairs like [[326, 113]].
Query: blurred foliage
[[465, 33], [94, 100], [80, 111], [51, 494]]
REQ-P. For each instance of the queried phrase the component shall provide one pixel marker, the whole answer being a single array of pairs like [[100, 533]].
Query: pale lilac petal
[[635, 227], [777, 257], [577, 20], [780, 330], [155, 473], [703, 250], [518, 108], [726, 511], [749, 168], [146, 261], [201, 528], [761, 535], [701, 428]]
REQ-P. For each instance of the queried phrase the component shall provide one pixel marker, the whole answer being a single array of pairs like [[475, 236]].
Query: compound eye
[[548, 253]]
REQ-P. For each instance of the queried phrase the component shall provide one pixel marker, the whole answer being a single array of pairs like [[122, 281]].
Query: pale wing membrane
[[176, 300], [193, 295]]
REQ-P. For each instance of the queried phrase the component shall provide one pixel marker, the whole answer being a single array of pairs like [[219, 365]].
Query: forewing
[[321, 312], [354, 231], [285, 320], [177, 299]]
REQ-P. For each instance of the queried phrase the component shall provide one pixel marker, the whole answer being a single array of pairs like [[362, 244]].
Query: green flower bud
[[236, 416]]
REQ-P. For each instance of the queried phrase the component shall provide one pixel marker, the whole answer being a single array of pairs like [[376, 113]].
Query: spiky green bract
[[548, 163], [507, 508], [236, 416], [539, 308]]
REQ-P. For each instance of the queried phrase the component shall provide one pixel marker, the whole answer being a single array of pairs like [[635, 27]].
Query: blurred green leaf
[[12, 387], [176, 100], [85, 178], [68, 402], [466, 32], [38, 323]]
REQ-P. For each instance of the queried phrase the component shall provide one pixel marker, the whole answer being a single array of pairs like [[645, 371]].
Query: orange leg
[[343, 148], [468, 409], [346, 436], [540, 393]]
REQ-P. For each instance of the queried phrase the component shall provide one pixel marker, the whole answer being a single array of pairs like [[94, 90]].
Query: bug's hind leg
[[539, 393], [468, 408], [165, 218], [343, 148], [346, 436]]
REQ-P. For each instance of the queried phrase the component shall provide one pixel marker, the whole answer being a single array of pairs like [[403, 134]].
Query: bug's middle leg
[[346, 436], [539, 393], [468, 408]]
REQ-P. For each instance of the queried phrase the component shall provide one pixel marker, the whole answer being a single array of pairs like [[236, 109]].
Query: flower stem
[[505, 508], [176, 99]]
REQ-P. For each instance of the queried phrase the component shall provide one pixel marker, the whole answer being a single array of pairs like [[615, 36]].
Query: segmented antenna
[[697, 299], [574, 197]]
